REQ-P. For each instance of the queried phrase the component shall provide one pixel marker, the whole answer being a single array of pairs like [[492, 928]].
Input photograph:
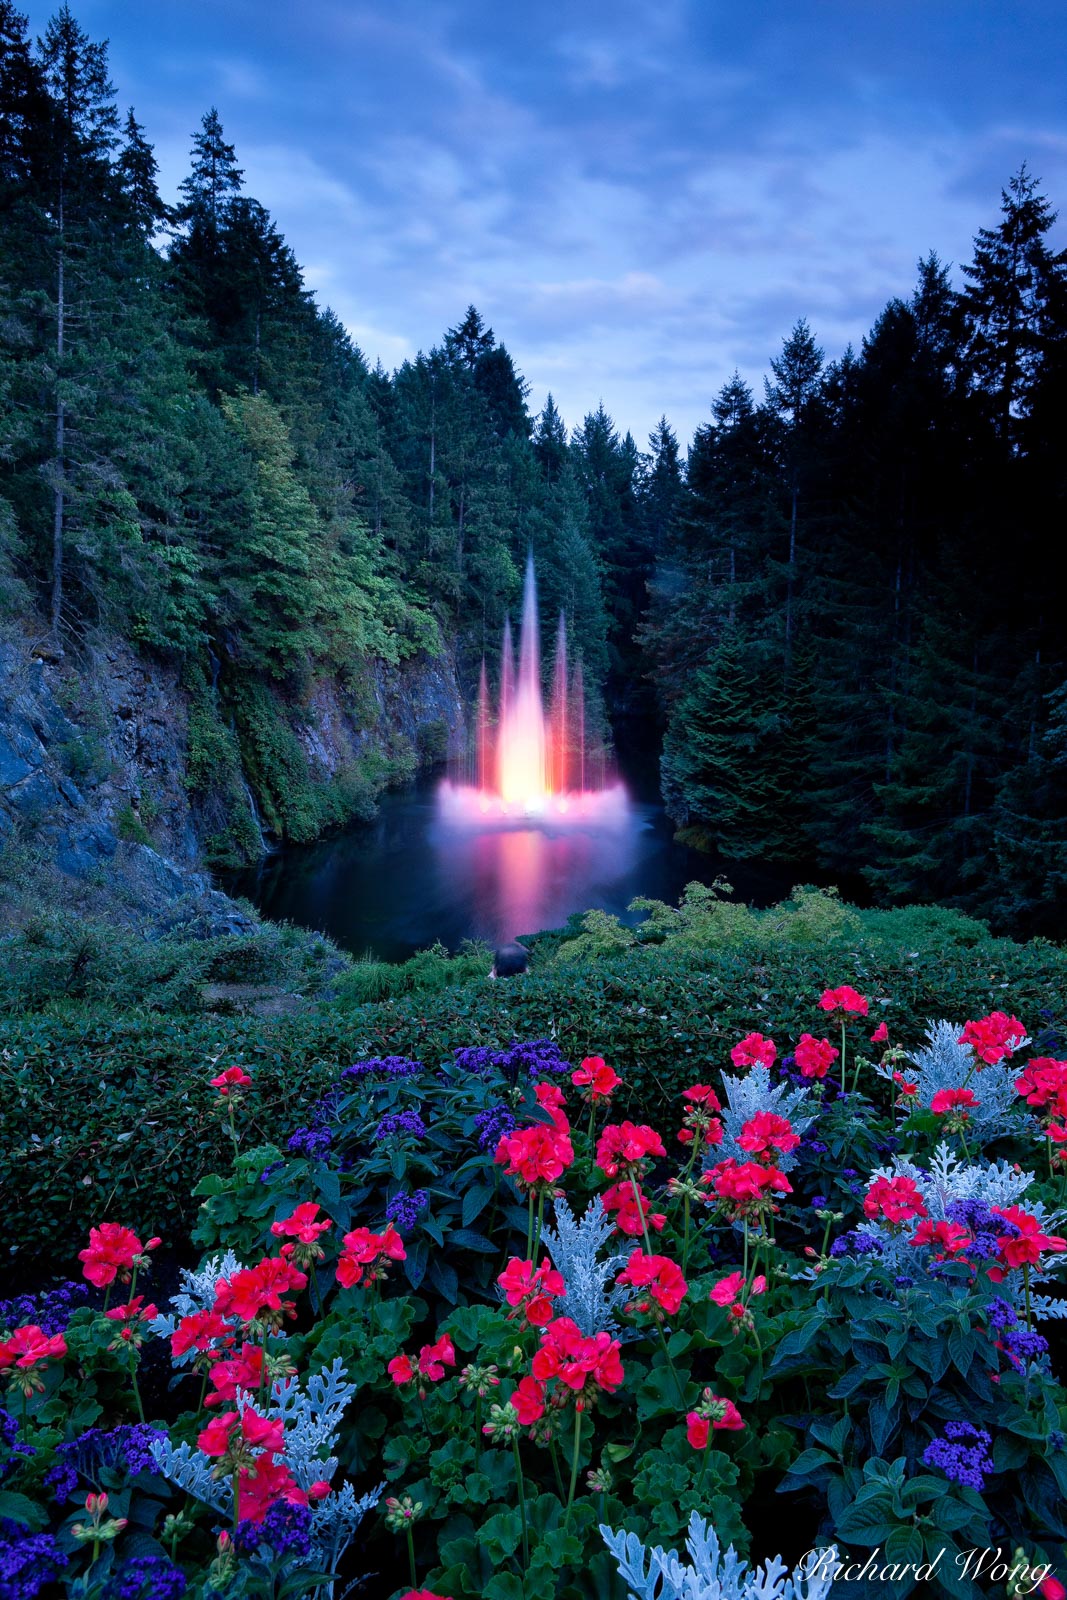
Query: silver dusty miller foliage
[[311, 1413], [745, 1096], [575, 1248], [660, 1574], [949, 1179], [945, 1063]]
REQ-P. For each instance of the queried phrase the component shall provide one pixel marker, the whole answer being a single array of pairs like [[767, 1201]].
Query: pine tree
[[137, 170], [791, 397], [215, 179]]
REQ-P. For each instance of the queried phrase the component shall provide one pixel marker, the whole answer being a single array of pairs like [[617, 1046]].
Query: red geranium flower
[[528, 1400], [623, 1146], [956, 1102], [703, 1095], [533, 1290], [29, 1345], [950, 1237], [596, 1077], [302, 1225], [1042, 1080], [767, 1131], [994, 1037], [659, 1275], [262, 1488], [727, 1290], [243, 1371], [814, 1056], [620, 1201], [844, 999], [1026, 1247], [253, 1291], [550, 1098], [232, 1078], [434, 1358], [747, 1184], [400, 1370], [537, 1157], [198, 1331], [895, 1199], [880, 1034], [371, 1251], [714, 1412], [754, 1051], [112, 1252], [581, 1364]]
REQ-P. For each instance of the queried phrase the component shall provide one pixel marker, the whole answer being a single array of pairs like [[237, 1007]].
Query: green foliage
[[428, 971]]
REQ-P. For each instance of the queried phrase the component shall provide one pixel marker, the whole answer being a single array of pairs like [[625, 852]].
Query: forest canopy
[[840, 605]]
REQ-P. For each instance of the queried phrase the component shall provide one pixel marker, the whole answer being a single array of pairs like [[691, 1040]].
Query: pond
[[406, 880]]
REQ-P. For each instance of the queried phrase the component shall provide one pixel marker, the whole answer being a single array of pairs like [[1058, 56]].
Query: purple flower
[[1021, 1346], [856, 1243], [401, 1125], [28, 1561], [50, 1309], [962, 1453], [1001, 1314], [123, 1449], [384, 1067], [312, 1142], [146, 1578], [819, 1202], [285, 1530], [11, 1444], [404, 1210], [492, 1123], [815, 1145]]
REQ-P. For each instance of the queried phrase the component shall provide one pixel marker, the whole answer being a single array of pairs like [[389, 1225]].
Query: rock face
[[94, 770]]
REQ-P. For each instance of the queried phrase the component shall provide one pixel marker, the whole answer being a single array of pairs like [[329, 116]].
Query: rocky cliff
[[103, 770]]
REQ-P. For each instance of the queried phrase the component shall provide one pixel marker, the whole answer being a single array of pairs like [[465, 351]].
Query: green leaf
[[17, 1508], [475, 1200], [470, 1240], [444, 1277], [905, 1544]]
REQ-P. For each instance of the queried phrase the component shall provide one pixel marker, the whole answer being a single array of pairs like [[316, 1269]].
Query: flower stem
[[136, 1388], [529, 1226], [685, 1240], [522, 1505], [574, 1466], [555, 1465], [537, 1230], [641, 1214], [842, 1055], [411, 1554]]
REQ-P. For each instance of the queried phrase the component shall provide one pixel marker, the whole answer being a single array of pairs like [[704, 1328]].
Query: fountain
[[528, 768]]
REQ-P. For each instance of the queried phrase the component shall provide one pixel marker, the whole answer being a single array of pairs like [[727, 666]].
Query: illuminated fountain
[[529, 768]]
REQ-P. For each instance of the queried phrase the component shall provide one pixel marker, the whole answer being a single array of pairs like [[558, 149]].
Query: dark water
[[403, 882]]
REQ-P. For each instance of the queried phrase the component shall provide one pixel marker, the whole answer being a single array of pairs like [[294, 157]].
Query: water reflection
[[405, 881], [521, 879]]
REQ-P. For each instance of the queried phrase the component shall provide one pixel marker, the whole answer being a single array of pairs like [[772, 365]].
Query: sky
[[638, 197]]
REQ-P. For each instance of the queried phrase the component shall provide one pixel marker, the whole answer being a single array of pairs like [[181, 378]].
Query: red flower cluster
[[623, 1146], [699, 1121], [584, 1366], [247, 1444], [366, 1255], [660, 1276], [532, 1289], [256, 1292], [894, 1199], [948, 1238], [908, 1088], [536, 1157], [994, 1037], [1025, 1247], [432, 1361], [134, 1317], [727, 1291], [748, 1187], [113, 1252], [954, 1104], [814, 1056], [302, 1225], [595, 1076], [767, 1132], [845, 1000], [199, 1331], [620, 1200], [713, 1412], [550, 1098], [28, 1347], [1044, 1084], [233, 1078], [243, 1371], [754, 1051], [880, 1034]]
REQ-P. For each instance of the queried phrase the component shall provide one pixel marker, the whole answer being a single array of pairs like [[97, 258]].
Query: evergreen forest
[[839, 608]]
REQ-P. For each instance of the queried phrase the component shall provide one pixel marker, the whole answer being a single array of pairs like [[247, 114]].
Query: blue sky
[[638, 197]]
